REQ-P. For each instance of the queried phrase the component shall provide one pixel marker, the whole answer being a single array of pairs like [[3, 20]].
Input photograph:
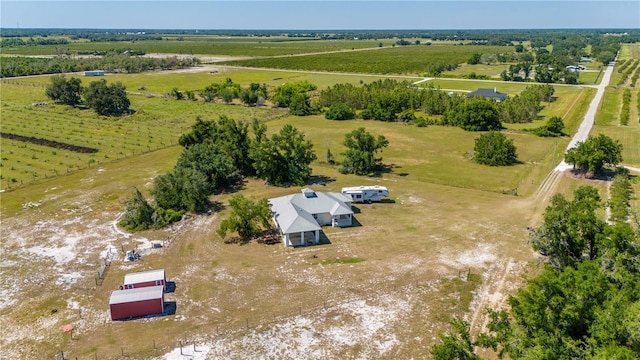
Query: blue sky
[[320, 15]]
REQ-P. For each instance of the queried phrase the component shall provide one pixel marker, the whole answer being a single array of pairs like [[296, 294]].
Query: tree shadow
[[384, 169], [236, 183], [320, 180]]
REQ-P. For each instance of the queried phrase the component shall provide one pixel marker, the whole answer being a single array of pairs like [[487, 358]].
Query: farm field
[[402, 60], [208, 45], [158, 122], [451, 240]]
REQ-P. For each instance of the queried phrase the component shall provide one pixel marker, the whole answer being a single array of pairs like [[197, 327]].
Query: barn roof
[[144, 276], [133, 295]]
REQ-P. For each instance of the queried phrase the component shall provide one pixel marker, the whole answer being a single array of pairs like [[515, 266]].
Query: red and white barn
[[144, 279], [143, 301]]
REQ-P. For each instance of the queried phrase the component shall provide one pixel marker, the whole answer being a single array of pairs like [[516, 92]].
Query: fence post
[[247, 324]]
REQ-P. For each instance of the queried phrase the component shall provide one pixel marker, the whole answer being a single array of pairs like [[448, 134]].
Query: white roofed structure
[[133, 295], [144, 278], [299, 216]]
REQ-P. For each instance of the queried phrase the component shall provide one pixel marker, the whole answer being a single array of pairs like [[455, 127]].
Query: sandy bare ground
[[51, 251]]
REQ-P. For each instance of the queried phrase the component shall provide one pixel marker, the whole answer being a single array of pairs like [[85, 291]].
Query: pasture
[[446, 217], [159, 121]]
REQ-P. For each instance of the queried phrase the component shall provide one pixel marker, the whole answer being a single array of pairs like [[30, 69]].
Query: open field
[[411, 59], [208, 45], [158, 122], [221, 286], [451, 241]]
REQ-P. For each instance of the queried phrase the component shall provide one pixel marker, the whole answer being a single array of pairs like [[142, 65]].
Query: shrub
[[495, 149], [340, 111]]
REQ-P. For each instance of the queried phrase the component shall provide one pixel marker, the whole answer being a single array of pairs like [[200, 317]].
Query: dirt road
[[589, 118]]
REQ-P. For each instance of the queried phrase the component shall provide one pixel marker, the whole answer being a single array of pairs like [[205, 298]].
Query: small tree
[[495, 149], [284, 158], [107, 99], [179, 95], [593, 154], [476, 114], [300, 105], [552, 128], [65, 91], [340, 111], [361, 150], [138, 214], [247, 217]]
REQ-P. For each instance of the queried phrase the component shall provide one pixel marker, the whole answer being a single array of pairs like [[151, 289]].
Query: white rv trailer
[[361, 194]]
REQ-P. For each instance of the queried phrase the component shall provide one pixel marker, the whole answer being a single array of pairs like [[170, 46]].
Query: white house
[[299, 217]]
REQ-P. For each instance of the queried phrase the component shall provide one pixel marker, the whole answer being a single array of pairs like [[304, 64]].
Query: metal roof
[[139, 294], [294, 213], [144, 276]]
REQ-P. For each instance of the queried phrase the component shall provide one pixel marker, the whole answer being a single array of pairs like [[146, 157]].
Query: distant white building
[[299, 217]]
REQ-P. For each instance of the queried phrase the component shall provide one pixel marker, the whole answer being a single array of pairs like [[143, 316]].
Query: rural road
[[589, 118]]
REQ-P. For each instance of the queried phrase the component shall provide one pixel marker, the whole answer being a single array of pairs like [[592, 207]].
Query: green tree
[[474, 59], [65, 91], [247, 217], [106, 99], [552, 128], [340, 111], [570, 228], [283, 94], [495, 149], [181, 190], [210, 160], [138, 214], [476, 114], [360, 156], [284, 158], [231, 136], [179, 95], [300, 105], [455, 345], [590, 156]]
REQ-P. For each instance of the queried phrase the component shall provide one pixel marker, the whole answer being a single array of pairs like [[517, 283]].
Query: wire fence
[[231, 328], [70, 169]]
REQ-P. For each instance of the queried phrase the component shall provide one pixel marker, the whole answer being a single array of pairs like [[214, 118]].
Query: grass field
[[383, 289], [158, 122], [608, 118], [405, 60]]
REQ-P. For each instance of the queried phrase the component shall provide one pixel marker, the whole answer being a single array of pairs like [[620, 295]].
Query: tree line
[[111, 62], [585, 304], [219, 153], [392, 100]]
